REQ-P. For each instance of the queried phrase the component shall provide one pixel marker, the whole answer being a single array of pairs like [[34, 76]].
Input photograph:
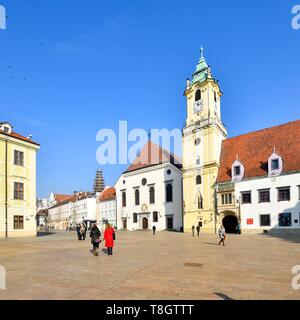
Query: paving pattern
[[168, 266]]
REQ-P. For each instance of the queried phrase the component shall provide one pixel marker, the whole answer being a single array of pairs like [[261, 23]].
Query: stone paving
[[168, 266]]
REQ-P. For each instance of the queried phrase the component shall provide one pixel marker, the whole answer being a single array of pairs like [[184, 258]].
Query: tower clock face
[[198, 106]]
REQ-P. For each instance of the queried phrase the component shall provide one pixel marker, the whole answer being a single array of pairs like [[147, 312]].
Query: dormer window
[[198, 95], [275, 164], [237, 171], [6, 127]]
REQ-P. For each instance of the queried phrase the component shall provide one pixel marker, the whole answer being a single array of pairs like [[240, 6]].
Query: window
[[265, 220], [197, 141], [169, 192], [6, 129], [285, 219], [237, 170], [18, 191], [200, 202], [198, 95], [144, 182], [152, 195], [137, 197], [284, 194], [18, 158], [264, 195], [299, 192], [246, 197], [169, 172], [198, 180], [18, 222], [275, 164], [226, 198], [198, 161], [155, 216], [135, 218], [124, 199], [215, 96]]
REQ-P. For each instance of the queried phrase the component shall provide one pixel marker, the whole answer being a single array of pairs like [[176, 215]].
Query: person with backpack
[[95, 235]]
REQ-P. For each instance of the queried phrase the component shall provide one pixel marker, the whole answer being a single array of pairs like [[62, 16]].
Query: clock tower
[[202, 141]]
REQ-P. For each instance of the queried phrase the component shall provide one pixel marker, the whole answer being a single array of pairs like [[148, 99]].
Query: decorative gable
[[275, 164], [237, 171]]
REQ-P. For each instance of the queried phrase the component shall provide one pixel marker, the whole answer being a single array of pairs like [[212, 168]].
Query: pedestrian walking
[[109, 237], [95, 235], [82, 232], [198, 230], [154, 230], [193, 231], [222, 235], [238, 228], [78, 231]]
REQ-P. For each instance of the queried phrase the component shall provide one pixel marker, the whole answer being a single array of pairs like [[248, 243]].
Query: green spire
[[202, 69]]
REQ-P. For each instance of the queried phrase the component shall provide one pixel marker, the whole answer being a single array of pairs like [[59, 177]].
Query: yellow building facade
[[202, 141], [17, 184]]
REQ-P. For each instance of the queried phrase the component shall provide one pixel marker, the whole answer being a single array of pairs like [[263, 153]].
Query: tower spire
[[202, 52]]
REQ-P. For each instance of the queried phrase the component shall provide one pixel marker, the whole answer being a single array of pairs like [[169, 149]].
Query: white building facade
[[150, 194], [258, 185], [270, 203], [76, 210], [107, 208]]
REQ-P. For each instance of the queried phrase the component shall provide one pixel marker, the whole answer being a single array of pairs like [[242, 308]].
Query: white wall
[[107, 211], [156, 176], [255, 209]]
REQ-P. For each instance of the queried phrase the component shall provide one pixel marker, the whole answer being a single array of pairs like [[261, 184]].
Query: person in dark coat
[[198, 230], [95, 235], [78, 231], [154, 230], [193, 231]]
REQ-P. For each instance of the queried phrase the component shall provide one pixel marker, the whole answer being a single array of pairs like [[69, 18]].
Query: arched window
[[152, 195], [124, 199], [135, 218], [215, 96], [197, 161], [198, 95], [155, 216], [137, 197], [200, 202], [169, 192], [198, 180]]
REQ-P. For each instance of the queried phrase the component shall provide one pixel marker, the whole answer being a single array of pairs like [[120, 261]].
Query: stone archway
[[230, 222]]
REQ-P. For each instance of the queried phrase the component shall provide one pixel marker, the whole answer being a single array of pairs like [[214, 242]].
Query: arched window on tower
[[198, 95], [169, 193], [137, 197], [152, 195], [198, 180], [215, 96]]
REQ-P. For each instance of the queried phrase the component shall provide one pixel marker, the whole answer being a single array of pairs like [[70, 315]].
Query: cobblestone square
[[168, 266]]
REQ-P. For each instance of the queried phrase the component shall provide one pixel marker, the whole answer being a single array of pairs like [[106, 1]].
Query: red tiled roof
[[62, 197], [108, 194], [153, 154], [254, 149], [18, 136]]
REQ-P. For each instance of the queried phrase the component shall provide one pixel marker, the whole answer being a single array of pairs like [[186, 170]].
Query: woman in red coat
[[109, 237]]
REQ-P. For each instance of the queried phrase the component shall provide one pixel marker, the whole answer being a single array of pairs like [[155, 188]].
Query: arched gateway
[[230, 222]]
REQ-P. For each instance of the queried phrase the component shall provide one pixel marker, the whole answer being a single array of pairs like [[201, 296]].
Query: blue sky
[[88, 64]]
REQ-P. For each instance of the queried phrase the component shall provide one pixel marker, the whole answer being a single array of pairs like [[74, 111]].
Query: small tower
[[99, 182]]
